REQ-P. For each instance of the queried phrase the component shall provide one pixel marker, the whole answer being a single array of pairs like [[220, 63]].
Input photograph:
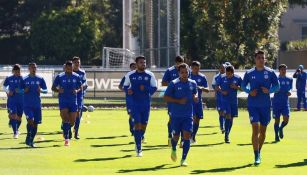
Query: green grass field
[[105, 148]]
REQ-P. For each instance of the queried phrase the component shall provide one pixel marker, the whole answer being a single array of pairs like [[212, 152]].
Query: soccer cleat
[[193, 141], [139, 153], [227, 140], [66, 143], [183, 163], [281, 133], [28, 141], [32, 145], [169, 142], [223, 131], [257, 160], [77, 136], [174, 155], [15, 136]]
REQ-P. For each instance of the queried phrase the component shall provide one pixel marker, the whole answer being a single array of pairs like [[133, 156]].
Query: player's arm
[[168, 95], [246, 88], [84, 82], [296, 73], [121, 84], [6, 88], [43, 87], [166, 78], [55, 86], [195, 94], [79, 86], [153, 85], [290, 88], [127, 85], [237, 86], [204, 86], [275, 84]]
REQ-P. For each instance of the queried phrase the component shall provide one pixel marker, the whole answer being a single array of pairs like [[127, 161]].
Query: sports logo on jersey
[[266, 76], [253, 77], [140, 78], [199, 80], [174, 75], [288, 82], [283, 83], [191, 88], [266, 72], [74, 80], [179, 88], [37, 82], [146, 78], [234, 82]]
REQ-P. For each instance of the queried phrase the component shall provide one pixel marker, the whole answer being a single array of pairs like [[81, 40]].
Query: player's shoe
[[257, 160], [169, 142], [174, 155], [32, 145], [193, 141], [139, 153], [183, 162], [222, 131], [28, 141], [66, 143], [16, 135], [227, 139], [77, 136], [144, 140], [181, 144], [281, 133]]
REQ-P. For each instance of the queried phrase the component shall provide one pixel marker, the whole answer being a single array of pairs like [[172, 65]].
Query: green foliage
[[230, 30], [296, 45]]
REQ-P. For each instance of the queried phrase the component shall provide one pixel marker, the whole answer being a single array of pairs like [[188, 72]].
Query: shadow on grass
[[249, 144], [220, 170], [296, 164], [27, 147], [104, 138], [208, 145], [110, 145], [50, 133], [213, 133], [102, 159], [155, 168], [208, 126]]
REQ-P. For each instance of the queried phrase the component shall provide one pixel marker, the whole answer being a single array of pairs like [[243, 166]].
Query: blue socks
[[169, 128], [195, 129], [276, 129], [14, 126], [227, 126], [174, 144], [131, 125], [138, 139], [222, 122], [185, 149], [34, 131], [256, 153], [77, 124], [18, 124], [66, 129]]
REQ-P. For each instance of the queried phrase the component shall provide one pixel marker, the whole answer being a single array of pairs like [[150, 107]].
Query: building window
[[304, 32]]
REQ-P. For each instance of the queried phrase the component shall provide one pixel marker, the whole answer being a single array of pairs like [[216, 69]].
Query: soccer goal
[[117, 57]]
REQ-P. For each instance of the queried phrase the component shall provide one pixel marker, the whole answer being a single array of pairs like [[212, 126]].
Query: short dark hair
[[195, 63], [183, 66], [259, 52], [230, 69], [16, 67], [282, 66], [75, 58], [139, 58], [68, 63], [131, 64], [32, 64], [179, 59]]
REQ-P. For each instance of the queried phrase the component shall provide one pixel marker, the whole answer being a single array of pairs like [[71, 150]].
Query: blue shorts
[[230, 109], [260, 114], [181, 124], [198, 110], [34, 113], [281, 110], [71, 106], [140, 114], [15, 108], [128, 107]]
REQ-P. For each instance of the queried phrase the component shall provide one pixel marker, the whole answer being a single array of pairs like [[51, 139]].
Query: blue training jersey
[[35, 84], [82, 76], [170, 74], [68, 82], [300, 81], [179, 89], [200, 80], [128, 97], [133, 81], [215, 79], [254, 79], [224, 82], [281, 97], [12, 83]]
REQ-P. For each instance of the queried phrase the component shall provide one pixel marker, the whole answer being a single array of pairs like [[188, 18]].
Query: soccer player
[[34, 86], [169, 75], [128, 99], [218, 97], [301, 77], [182, 94], [80, 96], [202, 86], [259, 82], [141, 84], [14, 87], [68, 84], [228, 85], [281, 102]]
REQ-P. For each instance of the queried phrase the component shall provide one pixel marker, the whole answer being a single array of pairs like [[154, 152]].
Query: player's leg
[[136, 114], [12, 109], [19, 114], [78, 119], [276, 116], [65, 124], [284, 123], [176, 126], [30, 124], [187, 127], [169, 130], [221, 116], [265, 118], [228, 120], [196, 121], [304, 100], [36, 122], [254, 120], [299, 98]]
